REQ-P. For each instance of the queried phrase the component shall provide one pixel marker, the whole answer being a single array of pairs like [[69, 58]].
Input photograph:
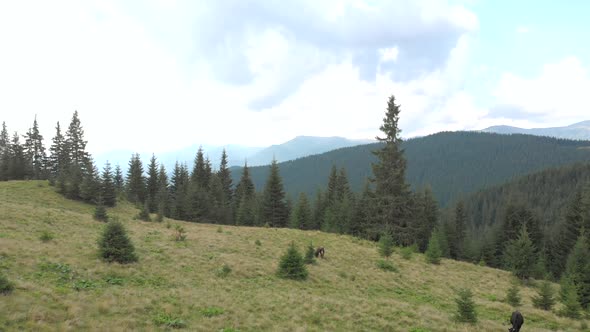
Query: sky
[[155, 75]]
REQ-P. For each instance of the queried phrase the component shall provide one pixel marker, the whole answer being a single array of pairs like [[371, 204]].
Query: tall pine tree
[[393, 210], [35, 152]]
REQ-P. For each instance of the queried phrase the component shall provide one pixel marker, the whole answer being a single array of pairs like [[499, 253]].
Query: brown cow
[[319, 252]]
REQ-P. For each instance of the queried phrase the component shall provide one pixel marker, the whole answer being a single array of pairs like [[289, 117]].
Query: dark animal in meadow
[[319, 252], [516, 320]]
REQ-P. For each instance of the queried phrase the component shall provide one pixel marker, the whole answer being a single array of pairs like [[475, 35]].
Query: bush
[[545, 298], [386, 245], [406, 252], [212, 311], [386, 266], [513, 295], [219, 229], [224, 271], [46, 236], [115, 245], [291, 265], [310, 255], [169, 321], [258, 243], [466, 312], [6, 287]]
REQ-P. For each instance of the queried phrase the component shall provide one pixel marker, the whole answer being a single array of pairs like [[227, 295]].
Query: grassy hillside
[[453, 163], [62, 285]]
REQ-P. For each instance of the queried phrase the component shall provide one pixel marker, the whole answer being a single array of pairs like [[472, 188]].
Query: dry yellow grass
[[63, 285]]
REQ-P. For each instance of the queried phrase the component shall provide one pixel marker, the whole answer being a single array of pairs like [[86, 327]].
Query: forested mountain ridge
[[546, 193], [452, 163]]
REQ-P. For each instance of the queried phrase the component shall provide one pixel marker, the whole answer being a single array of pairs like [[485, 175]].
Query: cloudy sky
[[158, 75]]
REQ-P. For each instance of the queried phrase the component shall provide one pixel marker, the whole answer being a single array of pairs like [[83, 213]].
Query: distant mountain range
[[454, 164], [579, 131], [300, 146]]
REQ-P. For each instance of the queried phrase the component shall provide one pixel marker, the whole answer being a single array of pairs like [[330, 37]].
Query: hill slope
[[62, 285], [453, 163], [579, 131]]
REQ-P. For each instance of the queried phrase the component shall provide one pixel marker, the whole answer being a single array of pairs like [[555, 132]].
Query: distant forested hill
[[547, 193], [452, 163]]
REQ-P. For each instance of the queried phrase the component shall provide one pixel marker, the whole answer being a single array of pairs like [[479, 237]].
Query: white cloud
[[140, 83], [558, 95], [523, 29]]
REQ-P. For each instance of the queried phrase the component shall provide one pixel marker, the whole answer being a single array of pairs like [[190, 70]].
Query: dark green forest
[[451, 163]]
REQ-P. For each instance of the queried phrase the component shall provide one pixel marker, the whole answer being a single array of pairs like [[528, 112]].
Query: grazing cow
[[319, 252], [516, 320]]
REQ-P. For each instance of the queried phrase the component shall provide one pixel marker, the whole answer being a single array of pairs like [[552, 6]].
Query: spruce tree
[[115, 245], [513, 295], [118, 180], [17, 166], [163, 196], [427, 217], [200, 176], [318, 209], [457, 245], [332, 190], [393, 209], [245, 187], [90, 186], [569, 298], [246, 213], [100, 212], [274, 206], [179, 192], [144, 213], [545, 297], [4, 155], [578, 269], [520, 255], [224, 175], [433, 251], [386, 245], [466, 312], [292, 265], [301, 216], [152, 185], [360, 224], [568, 233], [135, 181], [35, 152], [108, 191], [59, 155], [76, 145], [309, 254], [342, 187]]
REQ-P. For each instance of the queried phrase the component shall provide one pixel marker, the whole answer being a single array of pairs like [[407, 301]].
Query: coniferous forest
[[535, 226]]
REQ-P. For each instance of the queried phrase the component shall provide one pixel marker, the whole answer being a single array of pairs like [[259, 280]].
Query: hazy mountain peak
[[577, 131]]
